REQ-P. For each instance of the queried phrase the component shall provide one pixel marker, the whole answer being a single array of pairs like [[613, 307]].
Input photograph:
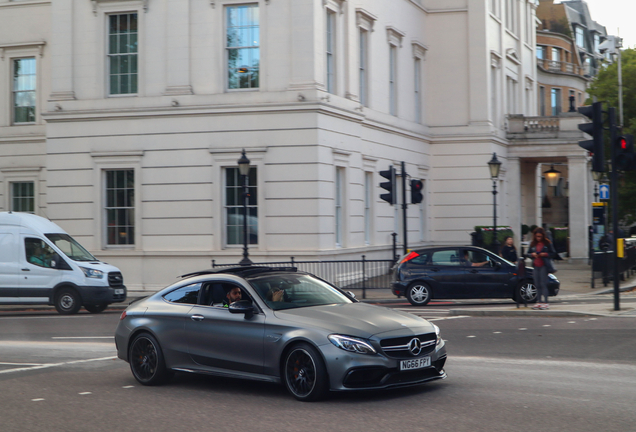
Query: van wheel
[[67, 301], [96, 308]]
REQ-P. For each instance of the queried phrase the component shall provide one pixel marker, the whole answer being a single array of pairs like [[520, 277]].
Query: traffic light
[[595, 129], [389, 186], [625, 157], [416, 191]]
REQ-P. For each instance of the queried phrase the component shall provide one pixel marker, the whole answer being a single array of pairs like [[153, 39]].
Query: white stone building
[[123, 120]]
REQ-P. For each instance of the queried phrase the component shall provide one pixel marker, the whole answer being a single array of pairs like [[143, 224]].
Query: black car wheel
[[418, 294], [304, 373], [146, 360], [96, 308], [67, 301], [526, 292]]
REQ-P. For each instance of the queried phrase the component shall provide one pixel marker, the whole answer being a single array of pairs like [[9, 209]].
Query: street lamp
[[244, 170], [494, 166], [552, 176]]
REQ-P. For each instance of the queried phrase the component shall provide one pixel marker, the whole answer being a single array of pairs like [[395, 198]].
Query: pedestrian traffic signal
[[595, 129], [389, 186], [625, 157], [416, 191]]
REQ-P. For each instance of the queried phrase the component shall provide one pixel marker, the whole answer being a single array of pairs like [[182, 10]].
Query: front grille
[[399, 347], [115, 279]]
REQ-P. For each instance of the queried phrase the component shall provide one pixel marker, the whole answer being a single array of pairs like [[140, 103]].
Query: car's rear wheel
[[67, 301], [97, 308], [418, 294], [305, 374], [526, 292], [146, 360]]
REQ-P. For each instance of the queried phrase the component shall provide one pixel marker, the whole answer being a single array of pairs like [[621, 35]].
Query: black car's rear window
[[289, 291]]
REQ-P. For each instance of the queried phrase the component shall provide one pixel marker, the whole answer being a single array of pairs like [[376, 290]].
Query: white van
[[41, 264]]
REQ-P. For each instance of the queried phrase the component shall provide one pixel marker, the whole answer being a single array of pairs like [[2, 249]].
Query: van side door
[[9, 274], [38, 272]]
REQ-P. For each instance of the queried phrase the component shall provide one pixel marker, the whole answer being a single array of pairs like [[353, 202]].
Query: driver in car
[[469, 263], [232, 295]]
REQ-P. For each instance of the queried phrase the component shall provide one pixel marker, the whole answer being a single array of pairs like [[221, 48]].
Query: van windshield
[[70, 247]]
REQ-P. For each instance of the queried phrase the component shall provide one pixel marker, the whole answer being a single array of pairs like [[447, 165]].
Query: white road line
[[471, 336], [450, 318], [50, 365], [523, 328], [37, 400], [82, 337], [21, 364], [423, 310], [496, 332], [46, 317], [85, 393], [127, 387]]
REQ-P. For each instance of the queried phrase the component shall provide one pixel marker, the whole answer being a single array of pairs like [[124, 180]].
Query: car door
[[446, 273], [9, 279], [219, 339], [38, 274], [487, 275]]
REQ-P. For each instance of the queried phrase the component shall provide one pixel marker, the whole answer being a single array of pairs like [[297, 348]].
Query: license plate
[[415, 363], [119, 291]]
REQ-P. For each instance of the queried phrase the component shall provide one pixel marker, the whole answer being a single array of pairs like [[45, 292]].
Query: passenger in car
[[233, 295]]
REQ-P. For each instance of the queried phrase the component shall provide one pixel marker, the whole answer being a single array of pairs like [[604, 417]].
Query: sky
[[618, 17]]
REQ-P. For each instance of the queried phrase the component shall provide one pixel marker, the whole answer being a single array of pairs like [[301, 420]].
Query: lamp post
[[494, 166], [244, 170], [552, 176]]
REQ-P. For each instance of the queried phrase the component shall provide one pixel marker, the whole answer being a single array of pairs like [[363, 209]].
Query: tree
[[605, 89]]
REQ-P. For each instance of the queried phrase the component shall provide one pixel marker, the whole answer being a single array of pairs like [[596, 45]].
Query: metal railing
[[560, 66], [360, 274]]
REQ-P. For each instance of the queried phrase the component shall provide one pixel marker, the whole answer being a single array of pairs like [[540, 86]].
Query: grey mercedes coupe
[[277, 325]]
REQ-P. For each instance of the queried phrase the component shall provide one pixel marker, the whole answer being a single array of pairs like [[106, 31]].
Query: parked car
[[311, 337], [467, 272], [41, 264]]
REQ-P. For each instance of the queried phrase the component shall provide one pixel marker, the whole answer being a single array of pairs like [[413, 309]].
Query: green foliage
[[525, 229], [486, 232], [605, 88]]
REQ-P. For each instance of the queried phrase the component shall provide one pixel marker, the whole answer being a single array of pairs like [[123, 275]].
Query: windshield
[[290, 291], [70, 247]]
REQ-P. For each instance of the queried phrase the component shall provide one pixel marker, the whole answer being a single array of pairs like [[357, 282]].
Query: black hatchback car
[[463, 272]]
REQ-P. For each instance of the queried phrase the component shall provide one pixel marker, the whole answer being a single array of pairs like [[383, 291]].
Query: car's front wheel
[[146, 360], [526, 292], [305, 374], [418, 294]]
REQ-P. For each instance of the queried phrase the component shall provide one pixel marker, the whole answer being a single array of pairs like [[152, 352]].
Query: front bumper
[[99, 295], [349, 371]]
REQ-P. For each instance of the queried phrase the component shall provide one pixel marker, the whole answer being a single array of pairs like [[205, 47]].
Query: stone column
[[579, 204], [178, 48], [513, 180], [62, 50]]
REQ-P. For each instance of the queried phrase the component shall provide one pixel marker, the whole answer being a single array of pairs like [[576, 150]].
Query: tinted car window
[[477, 257], [187, 294], [421, 260], [296, 290], [445, 257]]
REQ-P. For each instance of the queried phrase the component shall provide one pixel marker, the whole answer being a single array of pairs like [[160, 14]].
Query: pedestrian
[[540, 250], [508, 250]]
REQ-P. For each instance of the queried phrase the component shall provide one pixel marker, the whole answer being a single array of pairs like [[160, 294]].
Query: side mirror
[[350, 294], [242, 307], [496, 264]]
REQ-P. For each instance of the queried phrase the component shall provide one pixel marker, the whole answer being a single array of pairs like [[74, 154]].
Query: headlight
[[92, 273], [350, 344], [439, 338]]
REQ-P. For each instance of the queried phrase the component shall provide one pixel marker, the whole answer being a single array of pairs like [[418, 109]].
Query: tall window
[[243, 46], [580, 37], [597, 41], [339, 202], [542, 101], [23, 197], [556, 101], [24, 79], [122, 53], [368, 199], [364, 35], [392, 79], [540, 52], [511, 95], [331, 43], [234, 207], [120, 207], [417, 90], [511, 15]]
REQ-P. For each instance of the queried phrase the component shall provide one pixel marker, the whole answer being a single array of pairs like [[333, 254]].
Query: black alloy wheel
[[67, 301], [526, 292], [97, 308], [146, 360], [304, 373], [418, 294]]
